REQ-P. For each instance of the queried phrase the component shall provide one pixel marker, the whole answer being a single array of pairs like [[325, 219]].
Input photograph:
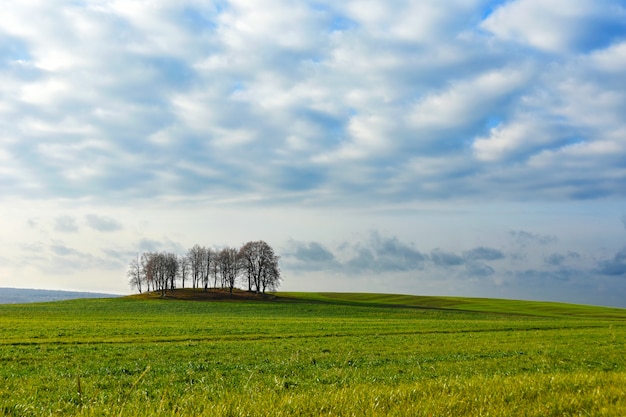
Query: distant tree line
[[254, 265]]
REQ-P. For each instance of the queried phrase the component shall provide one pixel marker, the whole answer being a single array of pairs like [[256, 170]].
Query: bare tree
[[147, 269], [215, 269], [183, 269], [247, 254], [229, 267], [160, 272], [271, 279], [209, 260], [261, 266], [171, 271], [134, 273], [196, 262]]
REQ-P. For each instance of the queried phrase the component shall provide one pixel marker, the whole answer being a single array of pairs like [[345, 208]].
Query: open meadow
[[311, 354]]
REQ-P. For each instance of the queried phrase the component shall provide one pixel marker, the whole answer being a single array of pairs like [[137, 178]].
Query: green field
[[312, 354]]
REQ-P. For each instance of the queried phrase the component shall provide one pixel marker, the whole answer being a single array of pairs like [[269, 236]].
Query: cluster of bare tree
[[254, 264]]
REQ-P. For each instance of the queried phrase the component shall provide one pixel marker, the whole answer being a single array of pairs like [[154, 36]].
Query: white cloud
[[466, 101], [416, 22], [44, 93], [271, 24], [368, 135], [512, 138], [558, 26], [611, 59]]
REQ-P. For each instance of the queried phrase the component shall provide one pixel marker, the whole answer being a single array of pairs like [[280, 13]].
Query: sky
[[466, 147]]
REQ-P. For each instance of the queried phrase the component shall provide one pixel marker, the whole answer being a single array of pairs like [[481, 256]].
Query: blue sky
[[452, 148]]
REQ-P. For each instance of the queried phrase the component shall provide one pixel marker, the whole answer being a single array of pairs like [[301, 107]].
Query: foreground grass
[[183, 358]]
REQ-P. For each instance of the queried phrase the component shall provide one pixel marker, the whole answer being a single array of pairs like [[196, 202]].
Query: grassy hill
[[310, 354], [486, 305], [467, 304]]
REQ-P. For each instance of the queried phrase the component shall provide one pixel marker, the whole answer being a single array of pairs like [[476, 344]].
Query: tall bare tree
[[209, 260], [134, 273], [160, 272], [183, 269], [271, 279], [196, 262], [229, 267], [171, 271], [215, 269], [147, 269], [248, 256], [261, 266]]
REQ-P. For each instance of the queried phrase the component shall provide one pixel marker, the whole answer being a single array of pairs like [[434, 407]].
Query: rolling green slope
[[467, 304], [486, 305]]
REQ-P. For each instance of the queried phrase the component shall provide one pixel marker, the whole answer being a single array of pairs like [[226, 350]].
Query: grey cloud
[[365, 260], [103, 224], [66, 259], [555, 259], [535, 276], [624, 220], [442, 258], [483, 254], [311, 256], [117, 253], [376, 253], [62, 250], [615, 266], [478, 269], [524, 238], [312, 252], [66, 224], [387, 254], [151, 245]]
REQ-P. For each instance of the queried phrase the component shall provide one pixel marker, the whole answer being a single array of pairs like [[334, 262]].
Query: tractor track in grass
[[257, 337]]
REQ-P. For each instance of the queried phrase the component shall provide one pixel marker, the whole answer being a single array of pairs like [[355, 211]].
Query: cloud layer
[[314, 101], [377, 254], [523, 268]]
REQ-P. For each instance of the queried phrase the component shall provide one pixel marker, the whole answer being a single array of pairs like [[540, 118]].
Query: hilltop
[[199, 294], [464, 304]]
